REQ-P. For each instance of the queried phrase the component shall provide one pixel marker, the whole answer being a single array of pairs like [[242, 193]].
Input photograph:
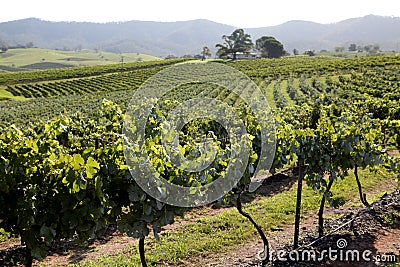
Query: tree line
[[268, 46], [239, 41]]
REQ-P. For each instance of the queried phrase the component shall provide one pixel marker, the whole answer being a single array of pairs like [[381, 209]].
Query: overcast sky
[[251, 13]]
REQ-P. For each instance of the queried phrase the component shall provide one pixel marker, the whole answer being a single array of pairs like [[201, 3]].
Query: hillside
[[156, 38], [188, 37], [302, 35], [37, 58]]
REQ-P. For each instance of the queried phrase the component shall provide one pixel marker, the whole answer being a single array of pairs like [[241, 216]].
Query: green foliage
[[206, 52], [393, 219], [353, 47], [103, 83], [49, 191], [203, 235], [270, 47], [238, 41], [78, 72], [68, 177], [4, 235]]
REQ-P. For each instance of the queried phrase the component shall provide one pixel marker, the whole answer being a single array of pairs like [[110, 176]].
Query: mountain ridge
[[188, 37]]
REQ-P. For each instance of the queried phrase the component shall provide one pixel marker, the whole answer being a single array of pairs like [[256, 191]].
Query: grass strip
[[228, 230]]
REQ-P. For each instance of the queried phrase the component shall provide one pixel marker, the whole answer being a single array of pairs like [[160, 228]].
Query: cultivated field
[[19, 59], [67, 195]]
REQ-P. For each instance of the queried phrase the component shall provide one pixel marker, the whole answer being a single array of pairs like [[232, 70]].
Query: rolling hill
[[40, 58], [188, 37]]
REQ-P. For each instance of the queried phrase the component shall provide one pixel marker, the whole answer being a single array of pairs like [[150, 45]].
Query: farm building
[[246, 55]]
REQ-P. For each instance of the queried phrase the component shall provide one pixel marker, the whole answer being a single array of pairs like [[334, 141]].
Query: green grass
[[17, 58], [269, 94], [7, 95], [229, 230], [4, 94]]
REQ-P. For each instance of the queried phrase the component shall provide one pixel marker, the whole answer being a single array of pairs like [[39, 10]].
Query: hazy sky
[[251, 13]]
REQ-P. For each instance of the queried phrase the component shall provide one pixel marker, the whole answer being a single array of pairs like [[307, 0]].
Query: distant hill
[[188, 37], [303, 35], [38, 58]]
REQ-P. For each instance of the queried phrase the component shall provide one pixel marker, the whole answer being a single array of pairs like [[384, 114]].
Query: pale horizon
[[253, 14]]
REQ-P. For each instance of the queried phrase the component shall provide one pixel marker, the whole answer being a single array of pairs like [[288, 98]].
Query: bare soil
[[375, 228]]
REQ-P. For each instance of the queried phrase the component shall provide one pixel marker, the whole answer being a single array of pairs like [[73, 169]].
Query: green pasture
[[38, 58]]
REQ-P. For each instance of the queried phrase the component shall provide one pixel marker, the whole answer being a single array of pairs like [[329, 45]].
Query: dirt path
[[373, 229], [381, 238]]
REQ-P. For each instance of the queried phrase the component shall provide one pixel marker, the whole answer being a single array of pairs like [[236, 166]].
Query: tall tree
[[238, 41], [205, 53], [270, 47], [371, 49], [352, 47], [311, 53], [29, 45]]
